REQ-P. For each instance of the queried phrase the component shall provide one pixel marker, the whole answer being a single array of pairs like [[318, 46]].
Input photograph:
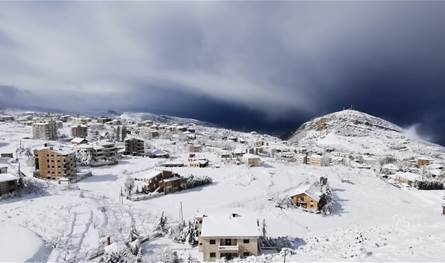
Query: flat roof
[[7, 177]]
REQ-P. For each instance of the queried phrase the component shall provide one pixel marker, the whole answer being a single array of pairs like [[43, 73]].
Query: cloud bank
[[284, 61]]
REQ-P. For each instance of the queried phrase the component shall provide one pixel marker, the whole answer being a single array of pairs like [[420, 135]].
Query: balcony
[[228, 248]]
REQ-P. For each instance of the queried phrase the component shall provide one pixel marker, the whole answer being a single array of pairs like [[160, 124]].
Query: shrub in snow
[[135, 247], [387, 160], [161, 226], [117, 253], [129, 185], [326, 204], [166, 256], [279, 243], [186, 233], [195, 181], [284, 203], [134, 234], [429, 185]]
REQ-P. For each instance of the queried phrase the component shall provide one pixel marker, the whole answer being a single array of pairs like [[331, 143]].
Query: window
[[246, 254], [246, 241], [212, 241], [212, 254], [227, 242]]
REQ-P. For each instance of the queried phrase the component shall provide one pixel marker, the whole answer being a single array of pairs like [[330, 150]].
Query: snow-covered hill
[[167, 119], [358, 132]]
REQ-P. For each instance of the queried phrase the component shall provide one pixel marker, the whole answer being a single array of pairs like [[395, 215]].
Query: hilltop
[[357, 132]]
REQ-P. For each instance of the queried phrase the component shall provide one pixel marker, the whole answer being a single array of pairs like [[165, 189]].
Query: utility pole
[[181, 215], [121, 197]]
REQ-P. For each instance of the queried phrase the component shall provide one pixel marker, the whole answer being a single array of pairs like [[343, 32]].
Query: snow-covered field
[[374, 221]]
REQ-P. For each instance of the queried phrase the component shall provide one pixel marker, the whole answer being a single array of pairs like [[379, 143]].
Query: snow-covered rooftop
[[148, 175], [408, 176], [7, 177], [227, 225], [251, 156]]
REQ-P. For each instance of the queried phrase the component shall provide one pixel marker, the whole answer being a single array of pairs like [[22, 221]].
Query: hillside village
[[148, 188]]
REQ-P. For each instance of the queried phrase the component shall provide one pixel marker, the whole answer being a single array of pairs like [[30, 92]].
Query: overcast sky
[[262, 65]]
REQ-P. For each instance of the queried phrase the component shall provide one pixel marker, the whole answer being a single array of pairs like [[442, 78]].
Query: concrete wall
[[206, 248]]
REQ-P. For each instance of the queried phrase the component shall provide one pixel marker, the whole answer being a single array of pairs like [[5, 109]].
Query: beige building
[[306, 200], [406, 178], [252, 160], [194, 148], [301, 158], [44, 130], [318, 160], [423, 161], [51, 164], [198, 162], [79, 131], [162, 182], [227, 236]]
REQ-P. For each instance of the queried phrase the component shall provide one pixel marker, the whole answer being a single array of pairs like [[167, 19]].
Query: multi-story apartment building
[[51, 164], [79, 131], [98, 155], [227, 236], [120, 133], [44, 130], [134, 146], [105, 152]]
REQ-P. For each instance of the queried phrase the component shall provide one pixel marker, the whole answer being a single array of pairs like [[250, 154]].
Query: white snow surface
[[18, 244], [373, 220]]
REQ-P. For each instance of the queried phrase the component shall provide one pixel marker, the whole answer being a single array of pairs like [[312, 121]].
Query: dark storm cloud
[[244, 65]]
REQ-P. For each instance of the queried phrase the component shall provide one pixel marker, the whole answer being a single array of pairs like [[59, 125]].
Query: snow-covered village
[[147, 188], [222, 131]]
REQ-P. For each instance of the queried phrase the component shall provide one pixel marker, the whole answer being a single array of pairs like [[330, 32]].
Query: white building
[[98, 155], [227, 236]]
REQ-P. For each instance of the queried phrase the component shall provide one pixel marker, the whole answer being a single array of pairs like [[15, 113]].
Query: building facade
[[44, 130], [163, 182], [134, 146], [51, 164], [120, 133], [252, 160], [227, 236], [8, 182], [79, 131]]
